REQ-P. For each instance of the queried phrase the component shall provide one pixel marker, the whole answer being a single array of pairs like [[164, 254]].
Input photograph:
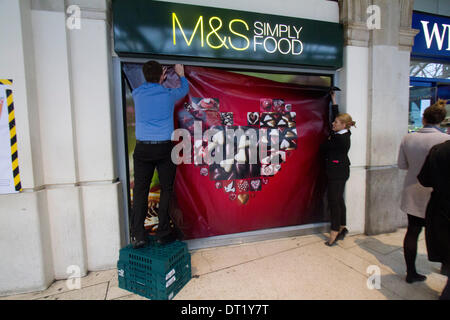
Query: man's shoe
[[137, 244], [167, 239], [178, 234]]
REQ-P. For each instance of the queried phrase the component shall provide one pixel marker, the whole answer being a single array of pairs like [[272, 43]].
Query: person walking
[[154, 108], [337, 163], [435, 174], [413, 150]]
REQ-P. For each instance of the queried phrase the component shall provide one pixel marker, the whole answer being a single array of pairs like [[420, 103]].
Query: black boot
[[137, 244], [415, 277]]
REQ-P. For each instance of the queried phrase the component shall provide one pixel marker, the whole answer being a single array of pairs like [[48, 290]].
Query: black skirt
[[437, 228]]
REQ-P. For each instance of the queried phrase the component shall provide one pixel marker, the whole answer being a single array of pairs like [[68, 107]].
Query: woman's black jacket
[[335, 152]]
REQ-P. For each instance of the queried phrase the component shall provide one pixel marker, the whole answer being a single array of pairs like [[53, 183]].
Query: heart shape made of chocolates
[[275, 123]]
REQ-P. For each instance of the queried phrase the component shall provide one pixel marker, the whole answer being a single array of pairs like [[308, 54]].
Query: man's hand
[[179, 69], [164, 75]]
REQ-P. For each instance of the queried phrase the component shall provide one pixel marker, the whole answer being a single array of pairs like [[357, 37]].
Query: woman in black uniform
[[335, 151]]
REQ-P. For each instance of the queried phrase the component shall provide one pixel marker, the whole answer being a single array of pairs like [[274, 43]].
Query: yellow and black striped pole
[[6, 82], [13, 136]]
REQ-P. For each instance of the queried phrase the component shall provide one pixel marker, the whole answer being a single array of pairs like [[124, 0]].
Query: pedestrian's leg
[[166, 171], [445, 270], [410, 249], [343, 207], [334, 204], [445, 295], [143, 173], [335, 209]]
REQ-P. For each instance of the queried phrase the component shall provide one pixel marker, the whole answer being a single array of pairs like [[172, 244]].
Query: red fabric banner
[[217, 200]]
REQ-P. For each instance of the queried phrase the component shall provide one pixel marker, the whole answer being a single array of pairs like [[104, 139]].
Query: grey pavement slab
[[287, 268]]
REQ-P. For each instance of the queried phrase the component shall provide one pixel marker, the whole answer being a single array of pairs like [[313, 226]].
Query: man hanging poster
[[9, 162]]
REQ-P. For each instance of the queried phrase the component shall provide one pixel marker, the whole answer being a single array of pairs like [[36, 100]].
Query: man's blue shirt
[[154, 106]]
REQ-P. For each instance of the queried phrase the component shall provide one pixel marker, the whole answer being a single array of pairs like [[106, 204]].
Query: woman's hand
[[333, 97]]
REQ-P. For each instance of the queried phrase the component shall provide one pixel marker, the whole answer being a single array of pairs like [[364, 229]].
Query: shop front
[[260, 80], [430, 66], [260, 67]]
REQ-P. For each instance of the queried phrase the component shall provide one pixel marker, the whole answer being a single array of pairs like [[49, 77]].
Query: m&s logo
[[215, 26], [236, 34]]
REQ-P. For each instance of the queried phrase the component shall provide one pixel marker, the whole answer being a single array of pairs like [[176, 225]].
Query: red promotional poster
[[238, 195]]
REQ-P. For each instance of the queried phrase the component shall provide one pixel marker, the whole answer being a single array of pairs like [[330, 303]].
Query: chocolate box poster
[[247, 192]]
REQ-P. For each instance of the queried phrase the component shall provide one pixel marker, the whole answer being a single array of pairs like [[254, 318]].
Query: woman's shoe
[[342, 234], [331, 244], [410, 278]]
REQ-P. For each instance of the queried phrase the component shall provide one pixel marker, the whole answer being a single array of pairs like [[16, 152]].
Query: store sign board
[[172, 29], [433, 39]]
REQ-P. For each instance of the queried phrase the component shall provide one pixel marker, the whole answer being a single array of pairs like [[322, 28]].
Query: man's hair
[[436, 113], [152, 71]]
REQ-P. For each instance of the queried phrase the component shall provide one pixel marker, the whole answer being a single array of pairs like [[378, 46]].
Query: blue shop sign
[[433, 39]]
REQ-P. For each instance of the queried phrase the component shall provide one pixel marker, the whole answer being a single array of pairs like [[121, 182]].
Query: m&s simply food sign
[[280, 38], [168, 29]]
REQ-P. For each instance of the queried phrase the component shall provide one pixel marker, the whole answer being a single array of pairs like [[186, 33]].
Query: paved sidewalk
[[288, 268]]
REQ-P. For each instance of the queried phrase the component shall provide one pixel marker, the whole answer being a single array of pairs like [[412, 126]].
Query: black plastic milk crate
[[153, 293]]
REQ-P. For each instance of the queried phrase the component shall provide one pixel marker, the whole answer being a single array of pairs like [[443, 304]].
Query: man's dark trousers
[[146, 158]]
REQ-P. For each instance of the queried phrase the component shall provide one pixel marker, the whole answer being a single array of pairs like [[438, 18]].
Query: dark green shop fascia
[[165, 30]]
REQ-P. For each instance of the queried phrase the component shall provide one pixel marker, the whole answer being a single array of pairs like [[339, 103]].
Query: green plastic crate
[[153, 293], [146, 276], [154, 258], [155, 271]]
